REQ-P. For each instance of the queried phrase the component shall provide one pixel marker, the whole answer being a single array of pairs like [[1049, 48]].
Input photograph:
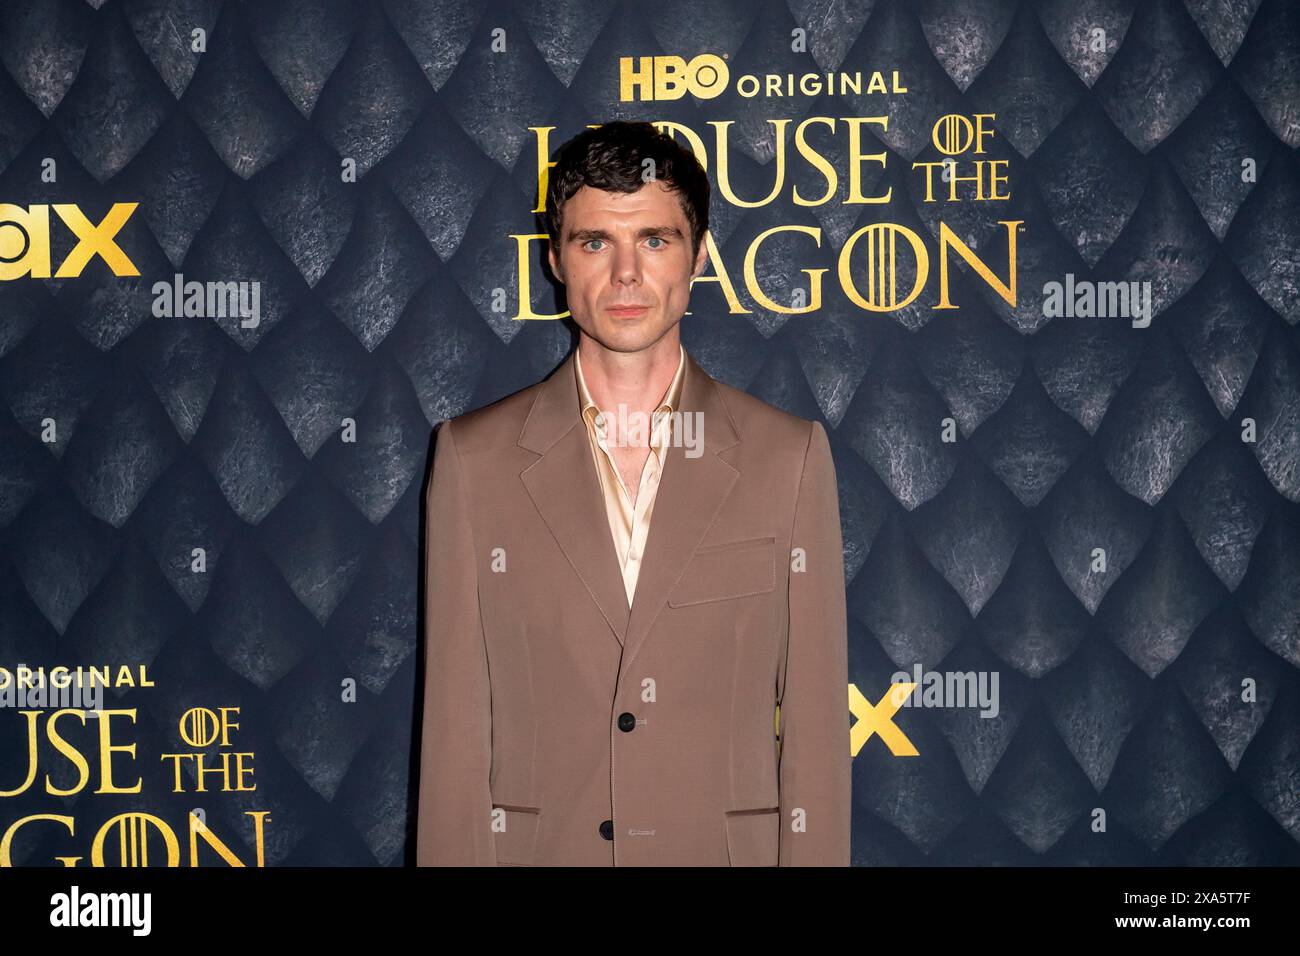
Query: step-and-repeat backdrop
[[1033, 264]]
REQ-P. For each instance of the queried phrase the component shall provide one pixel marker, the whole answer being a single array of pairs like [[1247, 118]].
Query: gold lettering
[[815, 275]]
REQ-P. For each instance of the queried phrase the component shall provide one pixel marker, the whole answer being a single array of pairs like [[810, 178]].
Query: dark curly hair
[[610, 157]]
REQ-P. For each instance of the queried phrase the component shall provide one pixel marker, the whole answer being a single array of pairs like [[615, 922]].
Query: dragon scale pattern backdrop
[[237, 505]]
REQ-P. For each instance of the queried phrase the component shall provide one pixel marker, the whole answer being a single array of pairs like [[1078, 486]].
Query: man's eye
[[656, 239], [588, 243]]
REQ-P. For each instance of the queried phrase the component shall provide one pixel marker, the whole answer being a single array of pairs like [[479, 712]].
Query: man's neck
[[635, 380]]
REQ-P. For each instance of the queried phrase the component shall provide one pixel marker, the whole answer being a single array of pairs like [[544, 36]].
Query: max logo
[[25, 241], [879, 719]]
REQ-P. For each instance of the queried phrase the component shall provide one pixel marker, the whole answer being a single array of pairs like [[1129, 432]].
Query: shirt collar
[[669, 403]]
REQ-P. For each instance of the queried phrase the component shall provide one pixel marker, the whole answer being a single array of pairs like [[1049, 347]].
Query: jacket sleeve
[[454, 817], [815, 766]]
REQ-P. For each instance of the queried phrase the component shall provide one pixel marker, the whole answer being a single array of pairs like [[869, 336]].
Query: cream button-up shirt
[[629, 522]]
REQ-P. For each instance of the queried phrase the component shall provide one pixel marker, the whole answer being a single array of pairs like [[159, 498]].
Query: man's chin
[[626, 335]]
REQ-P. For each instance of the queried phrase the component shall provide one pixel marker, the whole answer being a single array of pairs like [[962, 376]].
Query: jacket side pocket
[[515, 835], [753, 837]]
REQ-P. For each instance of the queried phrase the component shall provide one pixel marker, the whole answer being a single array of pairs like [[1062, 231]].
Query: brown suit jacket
[[561, 729]]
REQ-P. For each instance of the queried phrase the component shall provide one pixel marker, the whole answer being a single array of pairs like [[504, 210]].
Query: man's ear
[[701, 257], [555, 264]]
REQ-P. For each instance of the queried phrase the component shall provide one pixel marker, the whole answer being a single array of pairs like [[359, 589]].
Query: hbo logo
[[671, 77]]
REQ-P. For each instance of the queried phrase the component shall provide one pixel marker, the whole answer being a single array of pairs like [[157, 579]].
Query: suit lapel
[[563, 486], [566, 492]]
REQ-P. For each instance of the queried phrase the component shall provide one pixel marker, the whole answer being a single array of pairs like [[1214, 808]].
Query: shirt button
[[632, 554], [626, 722], [607, 829]]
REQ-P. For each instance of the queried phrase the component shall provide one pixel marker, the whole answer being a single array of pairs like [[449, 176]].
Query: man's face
[[626, 264]]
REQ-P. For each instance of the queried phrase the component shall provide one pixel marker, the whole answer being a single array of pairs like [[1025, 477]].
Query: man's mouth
[[628, 311]]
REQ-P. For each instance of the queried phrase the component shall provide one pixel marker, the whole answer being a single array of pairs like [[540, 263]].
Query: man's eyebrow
[[586, 235]]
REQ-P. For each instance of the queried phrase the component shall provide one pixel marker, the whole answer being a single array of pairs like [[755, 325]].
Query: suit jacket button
[[607, 829], [626, 722]]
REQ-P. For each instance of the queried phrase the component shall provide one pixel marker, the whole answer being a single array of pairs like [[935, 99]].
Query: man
[[629, 567]]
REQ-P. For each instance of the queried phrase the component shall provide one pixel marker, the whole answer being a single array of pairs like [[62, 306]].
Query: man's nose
[[627, 266]]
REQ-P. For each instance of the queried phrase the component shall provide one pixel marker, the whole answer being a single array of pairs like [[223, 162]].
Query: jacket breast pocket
[[753, 837], [721, 572], [515, 834]]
